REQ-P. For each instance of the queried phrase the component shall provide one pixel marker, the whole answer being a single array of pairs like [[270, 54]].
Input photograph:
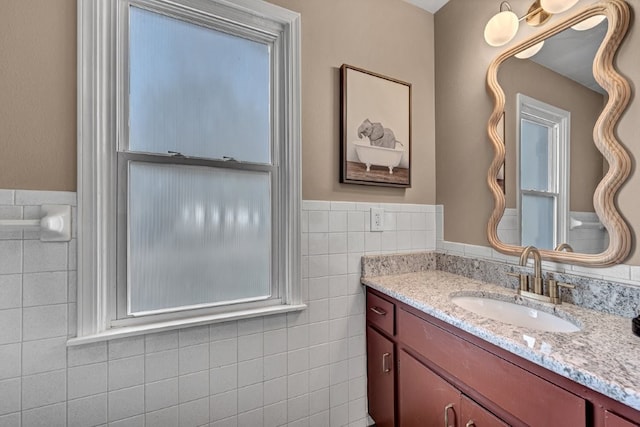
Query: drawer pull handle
[[378, 310], [385, 363], [470, 423], [446, 414]]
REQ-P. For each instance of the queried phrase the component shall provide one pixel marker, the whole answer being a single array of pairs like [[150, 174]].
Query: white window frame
[[559, 121], [101, 88]]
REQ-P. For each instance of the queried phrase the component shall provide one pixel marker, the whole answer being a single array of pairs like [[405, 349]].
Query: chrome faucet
[[537, 265]]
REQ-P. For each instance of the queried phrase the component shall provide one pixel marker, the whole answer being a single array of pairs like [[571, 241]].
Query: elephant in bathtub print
[[378, 135], [383, 148]]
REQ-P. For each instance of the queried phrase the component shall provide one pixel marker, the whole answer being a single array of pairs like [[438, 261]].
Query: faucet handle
[[566, 285], [554, 291], [524, 282]]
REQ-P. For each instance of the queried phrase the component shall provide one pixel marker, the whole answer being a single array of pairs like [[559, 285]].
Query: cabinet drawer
[[524, 395], [381, 313]]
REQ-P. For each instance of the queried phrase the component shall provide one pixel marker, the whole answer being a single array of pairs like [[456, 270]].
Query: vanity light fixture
[[589, 23], [503, 26], [557, 6], [528, 53]]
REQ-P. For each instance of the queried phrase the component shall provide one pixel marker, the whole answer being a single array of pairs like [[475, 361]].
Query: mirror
[[552, 103], [557, 163]]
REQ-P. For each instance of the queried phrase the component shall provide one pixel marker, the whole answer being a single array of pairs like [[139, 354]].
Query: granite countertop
[[603, 355]]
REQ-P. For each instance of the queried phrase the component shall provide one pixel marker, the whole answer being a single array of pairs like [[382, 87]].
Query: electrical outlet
[[377, 219]]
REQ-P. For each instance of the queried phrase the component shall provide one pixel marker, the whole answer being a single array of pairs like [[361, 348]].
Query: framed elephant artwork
[[375, 129]]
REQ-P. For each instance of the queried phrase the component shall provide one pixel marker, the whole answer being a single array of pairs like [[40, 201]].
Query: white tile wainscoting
[[583, 239], [302, 369]]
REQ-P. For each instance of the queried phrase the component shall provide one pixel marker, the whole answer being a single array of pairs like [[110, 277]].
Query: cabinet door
[[380, 378], [613, 420], [424, 399], [474, 415]]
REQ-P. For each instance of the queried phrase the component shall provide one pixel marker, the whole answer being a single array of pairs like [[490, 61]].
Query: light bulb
[[528, 53], [589, 23], [557, 6], [501, 28]]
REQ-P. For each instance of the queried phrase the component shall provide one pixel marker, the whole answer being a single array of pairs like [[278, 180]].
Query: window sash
[[265, 32], [552, 229], [552, 152], [217, 39], [121, 290]]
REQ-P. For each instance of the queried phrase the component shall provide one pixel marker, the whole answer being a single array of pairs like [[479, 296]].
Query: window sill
[[131, 331]]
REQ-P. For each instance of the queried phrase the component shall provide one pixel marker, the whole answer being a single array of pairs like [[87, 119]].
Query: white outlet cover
[[377, 219]]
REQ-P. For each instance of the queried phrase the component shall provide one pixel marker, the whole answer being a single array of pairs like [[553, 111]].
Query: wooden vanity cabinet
[[529, 398], [440, 371]]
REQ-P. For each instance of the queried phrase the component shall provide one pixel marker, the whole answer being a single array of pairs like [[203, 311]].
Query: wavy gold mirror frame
[[619, 92]]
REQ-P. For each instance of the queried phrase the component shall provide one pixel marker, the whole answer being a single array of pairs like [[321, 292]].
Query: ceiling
[[428, 5], [571, 54]]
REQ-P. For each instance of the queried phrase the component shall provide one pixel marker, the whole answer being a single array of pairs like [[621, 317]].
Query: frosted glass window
[[173, 241], [197, 236], [535, 155], [197, 91], [538, 221]]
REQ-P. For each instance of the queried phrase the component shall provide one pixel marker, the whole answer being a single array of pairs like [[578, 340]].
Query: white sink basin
[[514, 314]]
